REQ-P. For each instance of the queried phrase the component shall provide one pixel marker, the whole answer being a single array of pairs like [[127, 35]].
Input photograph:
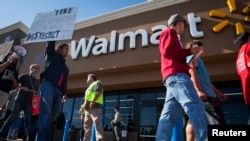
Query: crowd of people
[[181, 94], [18, 91], [188, 86], [28, 86], [187, 82]]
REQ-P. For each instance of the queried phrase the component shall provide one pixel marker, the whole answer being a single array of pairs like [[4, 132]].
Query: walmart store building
[[121, 48]]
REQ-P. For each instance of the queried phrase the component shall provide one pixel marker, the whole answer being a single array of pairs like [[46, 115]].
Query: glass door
[[150, 106], [148, 123]]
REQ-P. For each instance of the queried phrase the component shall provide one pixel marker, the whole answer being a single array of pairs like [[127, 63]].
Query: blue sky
[[13, 11]]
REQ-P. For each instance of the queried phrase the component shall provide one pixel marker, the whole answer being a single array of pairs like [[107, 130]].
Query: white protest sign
[[52, 25]]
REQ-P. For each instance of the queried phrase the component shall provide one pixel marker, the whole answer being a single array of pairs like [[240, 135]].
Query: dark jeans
[[117, 132], [32, 130], [18, 107], [214, 111], [50, 108]]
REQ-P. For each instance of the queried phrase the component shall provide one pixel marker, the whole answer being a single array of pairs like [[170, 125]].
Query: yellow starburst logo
[[222, 14]]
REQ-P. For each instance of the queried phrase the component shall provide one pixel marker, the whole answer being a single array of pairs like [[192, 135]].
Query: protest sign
[[53, 25]]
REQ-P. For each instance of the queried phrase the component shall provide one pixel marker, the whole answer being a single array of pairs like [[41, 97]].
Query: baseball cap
[[175, 18]]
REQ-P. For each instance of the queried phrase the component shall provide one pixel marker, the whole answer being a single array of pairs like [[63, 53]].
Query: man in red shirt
[[180, 93], [243, 65]]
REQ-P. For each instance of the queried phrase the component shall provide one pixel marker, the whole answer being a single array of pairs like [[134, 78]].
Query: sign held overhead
[[52, 25]]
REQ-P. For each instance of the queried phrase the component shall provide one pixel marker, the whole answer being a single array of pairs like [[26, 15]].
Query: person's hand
[[82, 117], [11, 59], [202, 95], [222, 97], [113, 122], [91, 105], [64, 98], [193, 63]]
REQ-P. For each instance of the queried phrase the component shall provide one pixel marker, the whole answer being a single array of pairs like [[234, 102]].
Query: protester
[[180, 93], [28, 86], [52, 88], [243, 65], [93, 106], [208, 93], [8, 80], [117, 124], [8, 77]]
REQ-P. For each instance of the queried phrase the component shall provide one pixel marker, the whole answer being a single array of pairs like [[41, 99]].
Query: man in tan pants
[[93, 106]]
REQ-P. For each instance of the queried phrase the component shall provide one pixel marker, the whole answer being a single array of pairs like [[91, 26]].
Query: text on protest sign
[[52, 25]]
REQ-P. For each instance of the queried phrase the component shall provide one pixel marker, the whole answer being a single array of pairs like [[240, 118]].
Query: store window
[[76, 121], [71, 110], [111, 101], [67, 108], [127, 106], [148, 95], [161, 94], [234, 108], [148, 121], [151, 102], [125, 101]]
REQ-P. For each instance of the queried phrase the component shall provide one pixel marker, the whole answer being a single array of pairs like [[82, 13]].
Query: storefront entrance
[[150, 106]]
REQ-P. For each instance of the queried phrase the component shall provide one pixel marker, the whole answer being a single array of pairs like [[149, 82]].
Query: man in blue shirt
[[208, 93]]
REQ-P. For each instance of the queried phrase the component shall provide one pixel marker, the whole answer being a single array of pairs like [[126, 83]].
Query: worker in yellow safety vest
[[93, 108]]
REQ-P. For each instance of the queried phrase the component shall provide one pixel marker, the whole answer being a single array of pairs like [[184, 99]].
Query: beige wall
[[140, 67]]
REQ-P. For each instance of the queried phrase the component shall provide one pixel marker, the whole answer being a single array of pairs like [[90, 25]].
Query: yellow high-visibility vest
[[91, 92]]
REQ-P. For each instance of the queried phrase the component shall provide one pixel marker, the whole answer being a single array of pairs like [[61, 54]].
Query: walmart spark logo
[[232, 8]]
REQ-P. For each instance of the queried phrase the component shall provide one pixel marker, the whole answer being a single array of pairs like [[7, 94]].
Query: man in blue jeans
[[181, 94], [53, 88]]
